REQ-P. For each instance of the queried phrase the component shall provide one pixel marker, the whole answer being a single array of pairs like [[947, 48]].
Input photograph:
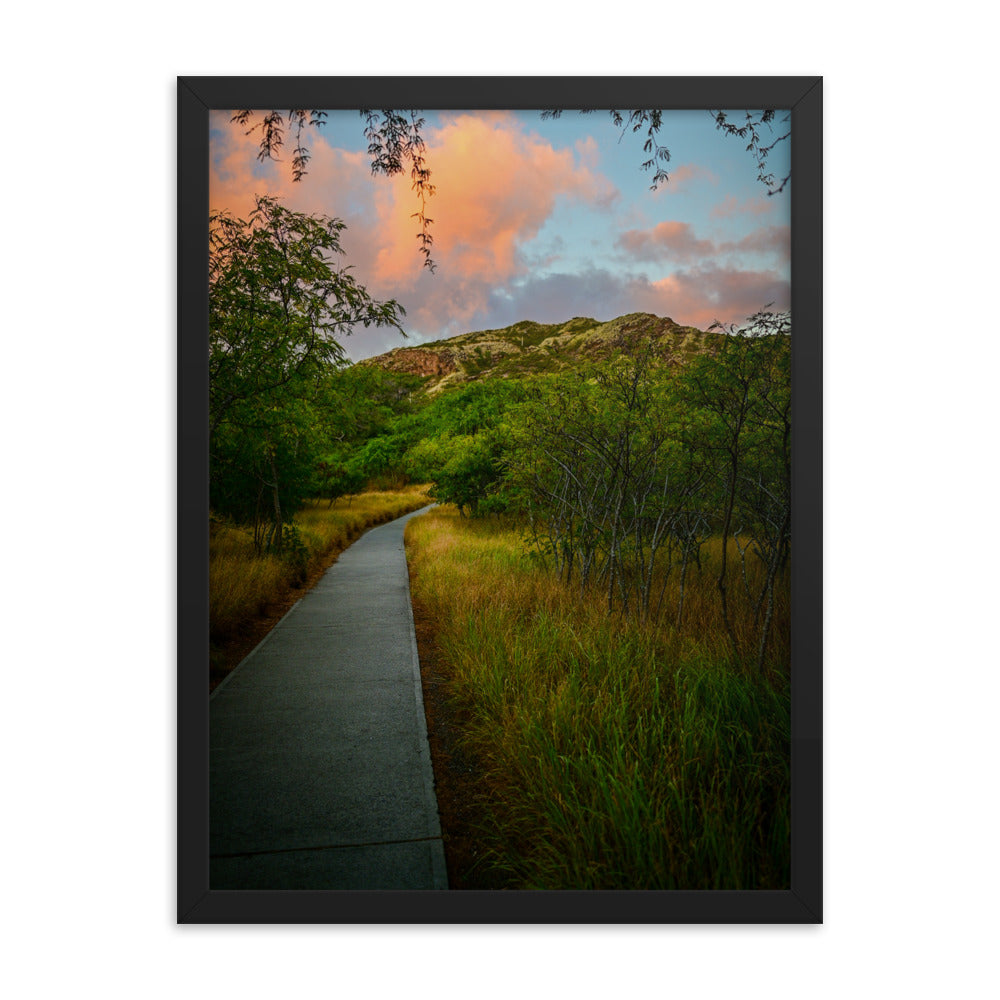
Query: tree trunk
[[276, 537], [771, 572]]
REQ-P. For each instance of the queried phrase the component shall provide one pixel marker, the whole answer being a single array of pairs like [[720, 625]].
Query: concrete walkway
[[320, 769]]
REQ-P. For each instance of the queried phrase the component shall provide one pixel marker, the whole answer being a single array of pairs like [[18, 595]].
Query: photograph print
[[506, 586]]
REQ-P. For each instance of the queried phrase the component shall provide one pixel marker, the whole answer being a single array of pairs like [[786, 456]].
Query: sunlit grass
[[242, 584], [614, 755]]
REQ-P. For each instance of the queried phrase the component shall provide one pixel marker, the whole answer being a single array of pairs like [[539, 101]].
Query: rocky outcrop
[[417, 361]]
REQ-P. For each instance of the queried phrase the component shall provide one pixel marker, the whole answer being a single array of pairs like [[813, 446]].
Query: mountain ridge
[[528, 347]]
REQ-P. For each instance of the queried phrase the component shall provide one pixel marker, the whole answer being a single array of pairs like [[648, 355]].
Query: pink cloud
[[680, 178], [665, 241], [750, 206], [709, 293], [775, 240], [588, 151], [676, 241]]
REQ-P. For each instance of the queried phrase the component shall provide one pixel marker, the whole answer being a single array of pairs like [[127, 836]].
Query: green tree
[[743, 396], [469, 473], [279, 305], [594, 457], [358, 404], [456, 443], [278, 301]]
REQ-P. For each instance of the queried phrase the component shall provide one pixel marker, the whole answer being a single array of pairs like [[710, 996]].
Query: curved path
[[320, 769]]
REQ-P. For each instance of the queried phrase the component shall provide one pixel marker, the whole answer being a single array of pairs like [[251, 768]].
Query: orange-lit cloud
[[496, 186]]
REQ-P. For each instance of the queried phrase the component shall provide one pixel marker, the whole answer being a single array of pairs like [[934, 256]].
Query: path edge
[[439, 870]]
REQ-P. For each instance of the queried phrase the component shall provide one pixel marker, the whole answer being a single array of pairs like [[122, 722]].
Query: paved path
[[320, 769]]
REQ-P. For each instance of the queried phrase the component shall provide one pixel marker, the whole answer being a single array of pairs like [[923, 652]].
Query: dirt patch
[[458, 780]]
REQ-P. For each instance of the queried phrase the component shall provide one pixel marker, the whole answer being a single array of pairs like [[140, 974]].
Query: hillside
[[529, 347]]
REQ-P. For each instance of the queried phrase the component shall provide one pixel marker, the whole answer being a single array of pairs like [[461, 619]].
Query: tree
[[471, 470], [743, 394], [595, 458], [279, 305], [278, 302]]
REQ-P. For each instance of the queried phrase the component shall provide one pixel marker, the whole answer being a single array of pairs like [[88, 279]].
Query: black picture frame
[[802, 903]]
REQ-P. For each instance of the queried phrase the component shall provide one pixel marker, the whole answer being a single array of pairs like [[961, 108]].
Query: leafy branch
[[272, 135], [752, 129], [635, 121]]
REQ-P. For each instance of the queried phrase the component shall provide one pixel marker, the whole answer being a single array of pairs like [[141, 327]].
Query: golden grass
[[498, 567], [242, 585]]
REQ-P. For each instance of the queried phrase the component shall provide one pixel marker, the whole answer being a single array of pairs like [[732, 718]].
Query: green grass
[[613, 756]]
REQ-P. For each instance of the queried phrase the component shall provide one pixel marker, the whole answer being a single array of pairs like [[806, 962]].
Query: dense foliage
[[627, 468]]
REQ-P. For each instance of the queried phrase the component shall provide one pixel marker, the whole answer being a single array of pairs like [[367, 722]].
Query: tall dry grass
[[614, 755], [242, 584]]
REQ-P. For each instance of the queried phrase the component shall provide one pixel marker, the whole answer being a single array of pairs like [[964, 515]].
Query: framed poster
[[590, 688]]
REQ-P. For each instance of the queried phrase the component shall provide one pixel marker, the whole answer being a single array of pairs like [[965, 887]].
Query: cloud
[[677, 242], [761, 205], [555, 298], [775, 240], [680, 178], [696, 297], [709, 293], [337, 182], [588, 151], [666, 241], [495, 187]]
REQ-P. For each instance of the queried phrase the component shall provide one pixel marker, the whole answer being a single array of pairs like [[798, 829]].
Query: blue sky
[[538, 219]]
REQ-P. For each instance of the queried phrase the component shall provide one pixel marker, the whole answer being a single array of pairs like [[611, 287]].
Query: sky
[[535, 219]]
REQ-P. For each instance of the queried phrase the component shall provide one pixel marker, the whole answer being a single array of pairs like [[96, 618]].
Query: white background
[[88, 213]]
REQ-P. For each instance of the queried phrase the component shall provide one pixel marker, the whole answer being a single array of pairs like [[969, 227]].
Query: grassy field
[[608, 755], [245, 587]]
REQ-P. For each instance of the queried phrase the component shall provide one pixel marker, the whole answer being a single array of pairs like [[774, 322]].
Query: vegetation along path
[[320, 770]]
